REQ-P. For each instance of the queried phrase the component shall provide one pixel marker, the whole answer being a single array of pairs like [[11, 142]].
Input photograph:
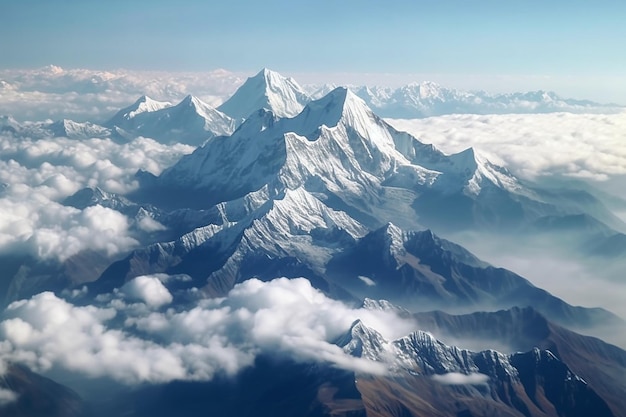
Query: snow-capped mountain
[[191, 121], [426, 99], [125, 118], [266, 90], [49, 129]]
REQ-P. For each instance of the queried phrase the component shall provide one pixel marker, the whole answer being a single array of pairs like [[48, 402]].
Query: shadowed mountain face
[[272, 388], [420, 271], [35, 395], [415, 269]]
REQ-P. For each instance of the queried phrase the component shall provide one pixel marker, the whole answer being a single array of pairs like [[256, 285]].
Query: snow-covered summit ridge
[[420, 353], [142, 105], [266, 90]]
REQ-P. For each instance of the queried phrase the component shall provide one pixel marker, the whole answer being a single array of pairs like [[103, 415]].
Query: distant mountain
[[60, 128], [125, 118], [426, 99], [191, 121], [267, 90]]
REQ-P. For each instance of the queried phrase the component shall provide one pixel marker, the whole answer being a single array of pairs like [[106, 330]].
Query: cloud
[[455, 378], [38, 174], [7, 396], [585, 146], [367, 281], [147, 289], [132, 344]]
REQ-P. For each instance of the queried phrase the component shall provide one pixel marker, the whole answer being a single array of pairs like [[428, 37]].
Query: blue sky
[[580, 42]]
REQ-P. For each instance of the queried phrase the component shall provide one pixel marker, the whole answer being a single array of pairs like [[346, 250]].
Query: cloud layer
[[136, 339], [586, 146], [36, 175]]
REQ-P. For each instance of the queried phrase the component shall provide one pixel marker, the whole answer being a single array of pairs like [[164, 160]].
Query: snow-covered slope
[[266, 90], [144, 104]]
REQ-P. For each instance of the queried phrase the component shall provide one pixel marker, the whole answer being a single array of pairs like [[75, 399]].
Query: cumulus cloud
[[91, 95], [367, 281], [586, 146], [455, 378], [7, 396], [117, 339], [38, 174], [147, 289]]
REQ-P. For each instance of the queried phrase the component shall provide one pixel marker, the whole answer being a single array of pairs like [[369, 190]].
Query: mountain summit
[[266, 90]]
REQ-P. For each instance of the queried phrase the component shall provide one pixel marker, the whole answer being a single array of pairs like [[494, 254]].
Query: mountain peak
[[362, 341], [267, 89], [143, 104], [193, 102], [270, 76]]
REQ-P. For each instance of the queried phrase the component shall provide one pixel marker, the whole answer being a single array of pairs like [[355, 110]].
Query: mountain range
[[428, 99], [281, 185]]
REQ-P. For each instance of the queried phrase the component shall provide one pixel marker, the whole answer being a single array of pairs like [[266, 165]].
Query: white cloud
[[39, 174], [48, 230], [7, 396], [131, 344], [147, 289], [148, 224], [455, 378], [367, 281], [587, 146]]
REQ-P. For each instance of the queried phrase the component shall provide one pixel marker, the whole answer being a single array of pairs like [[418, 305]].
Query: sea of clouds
[[585, 146]]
